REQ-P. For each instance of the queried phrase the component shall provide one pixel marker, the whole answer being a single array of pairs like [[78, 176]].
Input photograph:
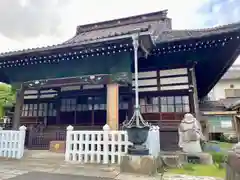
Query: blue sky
[[34, 23]]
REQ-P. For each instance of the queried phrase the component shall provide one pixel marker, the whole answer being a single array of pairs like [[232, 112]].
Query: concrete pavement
[[47, 165]]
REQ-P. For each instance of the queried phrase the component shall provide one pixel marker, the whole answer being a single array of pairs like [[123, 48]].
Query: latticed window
[[167, 104], [51, 110], [25, 110], [149, 104], [182, 104], [42, 109], [68, 105], [89, 103], [30, 109], [34, 110], [123, 102], [164, 104]]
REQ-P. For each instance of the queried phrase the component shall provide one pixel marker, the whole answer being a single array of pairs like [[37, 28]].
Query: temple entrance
[[48, 118], [86, 110]]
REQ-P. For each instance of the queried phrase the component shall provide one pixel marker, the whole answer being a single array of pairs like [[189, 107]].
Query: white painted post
[[153, 141], [22, 135], [68, 142], [106, 130], [158, 140]]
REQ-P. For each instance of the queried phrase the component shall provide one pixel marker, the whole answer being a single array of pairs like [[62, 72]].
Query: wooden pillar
[[58, 107], [18, 108], [38, 104], [130, 103], [112, 106]]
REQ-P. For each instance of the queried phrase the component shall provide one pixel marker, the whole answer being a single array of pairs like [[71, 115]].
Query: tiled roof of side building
[[231, 75], [178, 35], [229, 102], [212, 106]]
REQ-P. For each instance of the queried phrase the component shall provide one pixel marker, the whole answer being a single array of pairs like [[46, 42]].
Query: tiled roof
[[231, 74], [110, 32], [230, 102], [221, 105], [211, 106], [152, 22], [175, 35]]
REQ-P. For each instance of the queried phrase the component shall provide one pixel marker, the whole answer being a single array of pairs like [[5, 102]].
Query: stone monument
[[190, 134]]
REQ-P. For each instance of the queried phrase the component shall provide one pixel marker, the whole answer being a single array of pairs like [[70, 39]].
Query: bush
[[222, 138], [233, 139], [229, 138], [219, 158]]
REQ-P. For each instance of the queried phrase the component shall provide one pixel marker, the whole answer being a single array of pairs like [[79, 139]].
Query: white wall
[[218, 92]]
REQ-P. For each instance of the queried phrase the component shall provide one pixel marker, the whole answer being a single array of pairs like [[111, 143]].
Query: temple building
[[87, 81]]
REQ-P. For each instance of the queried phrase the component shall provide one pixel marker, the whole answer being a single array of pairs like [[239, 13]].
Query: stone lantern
[[136, 127]]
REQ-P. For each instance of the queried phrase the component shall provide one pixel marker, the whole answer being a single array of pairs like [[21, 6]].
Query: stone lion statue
[[190, 134]]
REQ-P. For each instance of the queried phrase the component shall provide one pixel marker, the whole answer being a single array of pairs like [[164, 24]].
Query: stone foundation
[[146, 165], [57, 146], [204, 158], [175, 159]]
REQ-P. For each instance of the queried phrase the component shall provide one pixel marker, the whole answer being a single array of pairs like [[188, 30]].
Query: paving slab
[[51, 176], [48, 165]]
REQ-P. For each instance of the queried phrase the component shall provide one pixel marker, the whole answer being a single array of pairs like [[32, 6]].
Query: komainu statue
[[190, 134]]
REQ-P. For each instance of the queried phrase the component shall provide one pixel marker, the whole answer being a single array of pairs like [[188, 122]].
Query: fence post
[[158, 148], [106, 130], [22, 135], [153, 141], [68, 142]]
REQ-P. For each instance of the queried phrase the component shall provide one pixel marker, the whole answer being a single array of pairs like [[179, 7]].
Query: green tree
[[7, 96]]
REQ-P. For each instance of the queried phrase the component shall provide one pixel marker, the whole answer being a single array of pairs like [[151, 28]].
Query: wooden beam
[[219, 112]]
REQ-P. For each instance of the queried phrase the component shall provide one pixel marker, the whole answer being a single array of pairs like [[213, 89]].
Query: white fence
[[12, 143], [103, 147]]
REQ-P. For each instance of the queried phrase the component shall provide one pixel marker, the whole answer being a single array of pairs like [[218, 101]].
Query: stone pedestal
[[176, 159], [204, 158], [146, 165]]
